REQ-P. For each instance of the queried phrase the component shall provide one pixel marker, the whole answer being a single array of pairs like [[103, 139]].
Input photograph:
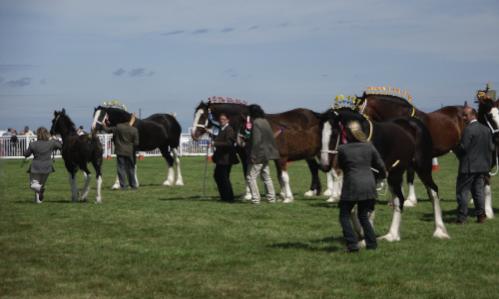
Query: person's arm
[[136, 137], [56, 145], [28, 152]]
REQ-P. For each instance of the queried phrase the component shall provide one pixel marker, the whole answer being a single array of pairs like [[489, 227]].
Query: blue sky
[[166, 56]]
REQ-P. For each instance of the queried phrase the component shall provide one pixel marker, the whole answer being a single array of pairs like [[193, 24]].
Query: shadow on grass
[[194, 198], [314, 245], [450, 216]]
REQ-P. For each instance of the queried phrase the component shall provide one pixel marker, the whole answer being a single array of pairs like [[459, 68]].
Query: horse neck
[[67, 129], [382, 109], [235, 112], [116, 117]]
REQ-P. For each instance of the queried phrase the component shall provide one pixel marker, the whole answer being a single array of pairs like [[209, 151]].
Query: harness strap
[[370, 130]]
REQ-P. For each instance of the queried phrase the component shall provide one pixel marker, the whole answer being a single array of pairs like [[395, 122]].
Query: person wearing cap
[[262, 149], [125, 138], [42, 164], [356, 159]]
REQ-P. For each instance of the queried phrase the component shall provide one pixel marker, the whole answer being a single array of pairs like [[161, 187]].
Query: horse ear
[[55, 113], [63, 111]]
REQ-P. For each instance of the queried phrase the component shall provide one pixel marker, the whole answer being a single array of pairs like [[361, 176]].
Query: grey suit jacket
[[356, 160], [225, 152], [475, 149], [263, 146], [42, 151]]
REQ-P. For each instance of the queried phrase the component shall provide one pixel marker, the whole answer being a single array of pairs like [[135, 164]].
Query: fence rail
[[10, 149]]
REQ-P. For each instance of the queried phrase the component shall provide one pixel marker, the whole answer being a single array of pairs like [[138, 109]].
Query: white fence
[[188, 147]]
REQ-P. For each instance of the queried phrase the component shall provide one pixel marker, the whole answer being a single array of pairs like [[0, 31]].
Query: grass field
[[170, 242]]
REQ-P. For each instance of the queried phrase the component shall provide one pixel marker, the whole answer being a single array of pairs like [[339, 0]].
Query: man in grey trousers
[[475, 159], [262, 149]]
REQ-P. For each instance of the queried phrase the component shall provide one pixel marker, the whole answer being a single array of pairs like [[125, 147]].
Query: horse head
[[201, 123], [109, 115], [488, 111], [61, 123], [331, 135]]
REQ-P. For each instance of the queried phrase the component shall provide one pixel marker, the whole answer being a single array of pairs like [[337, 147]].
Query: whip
[[206, 167]]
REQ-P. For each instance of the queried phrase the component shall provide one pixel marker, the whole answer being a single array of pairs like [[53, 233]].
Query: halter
[[101, 122]]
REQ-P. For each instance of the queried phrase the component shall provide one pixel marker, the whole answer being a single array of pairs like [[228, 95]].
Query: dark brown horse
[[445, 124], [297, 134], [77, 152], [402, 143]]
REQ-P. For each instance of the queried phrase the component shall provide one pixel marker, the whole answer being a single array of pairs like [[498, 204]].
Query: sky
[[167, 56]]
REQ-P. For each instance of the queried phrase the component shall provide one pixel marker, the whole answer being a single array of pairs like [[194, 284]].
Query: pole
[[206, 167]]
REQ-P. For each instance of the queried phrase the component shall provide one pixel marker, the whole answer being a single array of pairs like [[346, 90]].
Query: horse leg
[[329, 181], [170, 178], [86, 176], [336, 186], [282, 194], [288, 195], [97, 164], [315, 185], [411, 197], [489, 212], [116, 184], [74, 188], [244, 163], [179, 181], [395, 184]]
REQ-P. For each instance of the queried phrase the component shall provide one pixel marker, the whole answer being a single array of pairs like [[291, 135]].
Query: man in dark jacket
[[125, 138], [224, 156], [475, 159], [356, 158], [262, 149]]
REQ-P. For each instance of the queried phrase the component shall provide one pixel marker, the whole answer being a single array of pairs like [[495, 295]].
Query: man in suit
[[356, 158], [125, 138], [224, 156], [475, 159]]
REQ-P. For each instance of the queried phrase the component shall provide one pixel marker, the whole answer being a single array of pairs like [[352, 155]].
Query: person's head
[[223, 119], [469, 114], [355, 133], [255, 111], [42, 134], [81, 127], [26, 129]]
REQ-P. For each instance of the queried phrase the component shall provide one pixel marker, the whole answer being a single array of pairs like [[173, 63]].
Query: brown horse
[[445, 125], [298, 136]]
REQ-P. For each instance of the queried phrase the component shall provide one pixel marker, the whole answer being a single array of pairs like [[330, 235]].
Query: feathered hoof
[[362, 244], [179, 183], [247, 196], [167, 183], [440, 234], [489, 214], [288, 200], [98, 201], [310, 193], [327, 192], [410, 203], [115, 187], [390, 238], [333, 199]]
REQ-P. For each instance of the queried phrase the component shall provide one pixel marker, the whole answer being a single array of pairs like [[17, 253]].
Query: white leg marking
[[329, 179], [179, 181], [326, 137], [440, 230], [310, 193], [287, 188], [98, 198], [170, 178], [136, 176], [394, 232], [74, 188], [488, 202], [86, 186], [116, 184], [411, 198]]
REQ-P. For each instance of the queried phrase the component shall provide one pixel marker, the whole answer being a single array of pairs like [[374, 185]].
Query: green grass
[[170, 242]]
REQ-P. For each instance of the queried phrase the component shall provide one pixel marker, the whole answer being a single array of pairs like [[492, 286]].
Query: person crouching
[[42, 164]]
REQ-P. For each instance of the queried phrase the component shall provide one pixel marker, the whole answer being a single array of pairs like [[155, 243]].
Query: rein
[[491, 127]]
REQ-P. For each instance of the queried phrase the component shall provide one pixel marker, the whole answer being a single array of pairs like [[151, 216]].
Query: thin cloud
[[201, 31], [21, 82], [119, 72], [43, 81], [137, 72], [231, 72], [254, 27], [15, 67], [174, 32], [1, 80], [151, 73], [227, 29]]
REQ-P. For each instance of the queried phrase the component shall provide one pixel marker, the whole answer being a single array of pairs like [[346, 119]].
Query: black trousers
[[126, 169], [363, 207], [466, 182], [222, 178]]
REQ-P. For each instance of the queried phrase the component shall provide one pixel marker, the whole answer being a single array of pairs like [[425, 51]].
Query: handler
[[224, 156], [475, 159], [42, 164], [262, 149], [125, 138], [359, 187]]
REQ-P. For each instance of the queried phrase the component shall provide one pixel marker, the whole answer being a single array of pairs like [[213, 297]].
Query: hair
[[42, 134], [255, 111], [472, 110], [223, 114]]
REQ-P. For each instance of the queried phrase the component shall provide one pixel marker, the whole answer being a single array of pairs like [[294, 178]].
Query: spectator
[[27, 132]]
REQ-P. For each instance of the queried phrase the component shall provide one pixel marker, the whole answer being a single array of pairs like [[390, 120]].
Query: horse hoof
[[167, 183], [98, 201], [332, 199], [410, 204], [389, 238], [362, 244], [310, 193], [247, 196], [327, 192], [179, 183], [115, 187], [440, 234], [489, 214], [288, 200]]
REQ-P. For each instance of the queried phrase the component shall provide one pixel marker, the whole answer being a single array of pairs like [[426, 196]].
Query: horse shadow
[[450, 216], [313, 245]]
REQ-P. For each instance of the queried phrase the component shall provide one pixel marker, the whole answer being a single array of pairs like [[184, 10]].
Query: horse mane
[[67, 121], [389, 98]]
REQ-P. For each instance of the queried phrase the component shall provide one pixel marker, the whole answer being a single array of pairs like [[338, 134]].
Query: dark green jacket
[[263, 146], [475, 149], [42, 152], [225, 152], [125, 137], [356, 160]]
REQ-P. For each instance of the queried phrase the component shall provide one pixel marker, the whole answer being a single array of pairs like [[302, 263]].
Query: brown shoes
[[481, 218]]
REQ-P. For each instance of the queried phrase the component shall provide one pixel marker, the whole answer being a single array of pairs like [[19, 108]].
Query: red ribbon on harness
[[343, 134]]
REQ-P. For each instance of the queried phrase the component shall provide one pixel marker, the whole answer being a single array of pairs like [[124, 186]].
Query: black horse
[[402, 143], [77, 152], [156, 131], [297, 134]]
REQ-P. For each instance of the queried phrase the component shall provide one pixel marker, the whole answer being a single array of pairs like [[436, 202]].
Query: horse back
[[446, 126], [158, 130]]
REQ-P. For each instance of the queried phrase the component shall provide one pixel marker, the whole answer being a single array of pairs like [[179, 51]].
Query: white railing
[[188, 147]]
